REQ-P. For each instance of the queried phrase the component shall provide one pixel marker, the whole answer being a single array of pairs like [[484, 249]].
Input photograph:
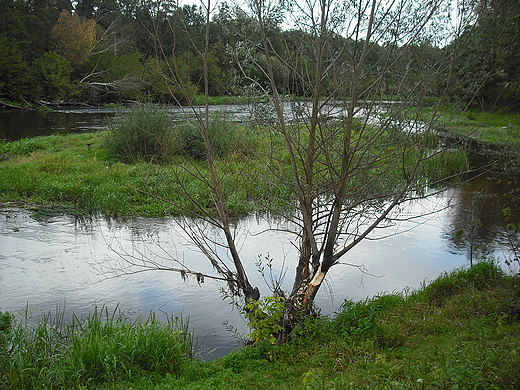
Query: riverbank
[[493, 138], [461, 331], [74, 172]]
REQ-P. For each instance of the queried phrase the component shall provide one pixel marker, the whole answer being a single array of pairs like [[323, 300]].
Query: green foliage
[[54, 72], [224, 136], [488, 70], [168, 81], [101, 349], [141, 134], [147, 133], [15, 74], [264, 317], [359, 320], [482, 275], [443, 164], [26, 146], [60, 169], [121, 80], [495, 127]]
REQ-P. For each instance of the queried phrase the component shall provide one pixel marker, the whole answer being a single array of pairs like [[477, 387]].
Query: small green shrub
[[142, 134], [264, 318], [223, 136]]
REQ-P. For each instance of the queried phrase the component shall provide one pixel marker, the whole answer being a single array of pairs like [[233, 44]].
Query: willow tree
[[355, 150]]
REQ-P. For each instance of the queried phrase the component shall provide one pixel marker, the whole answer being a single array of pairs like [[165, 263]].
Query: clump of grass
[[359, 320], [141, 134], [148, 133], [26, 146], [482, 275], [103, 348], [224, 136]]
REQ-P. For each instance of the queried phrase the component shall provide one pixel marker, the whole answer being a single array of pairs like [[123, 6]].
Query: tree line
[[101, 51]]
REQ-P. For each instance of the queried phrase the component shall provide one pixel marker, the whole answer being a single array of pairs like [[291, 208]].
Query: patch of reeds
[[102, 348]]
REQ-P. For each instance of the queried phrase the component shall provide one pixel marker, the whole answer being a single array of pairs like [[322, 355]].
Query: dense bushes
[[148, 133]]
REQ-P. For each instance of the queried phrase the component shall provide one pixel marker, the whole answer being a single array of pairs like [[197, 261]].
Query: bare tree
[[352, 158]]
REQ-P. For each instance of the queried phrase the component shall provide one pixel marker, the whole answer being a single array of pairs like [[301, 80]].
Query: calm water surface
[[16, 124], [56, 263]]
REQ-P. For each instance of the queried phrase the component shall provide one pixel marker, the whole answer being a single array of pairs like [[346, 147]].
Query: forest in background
[[112, 51]]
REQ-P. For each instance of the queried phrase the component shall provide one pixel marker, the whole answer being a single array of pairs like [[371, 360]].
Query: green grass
[[146, 165], [494, 127], [85, 353], [462, 331], [60, 170]]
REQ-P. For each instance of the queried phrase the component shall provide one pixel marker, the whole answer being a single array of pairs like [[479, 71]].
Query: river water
[[16, 124], [61, 263]]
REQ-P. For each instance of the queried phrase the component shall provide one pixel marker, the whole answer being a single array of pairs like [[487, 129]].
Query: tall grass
[[224, 134], [102, 348], [141, 134], [148, 133]]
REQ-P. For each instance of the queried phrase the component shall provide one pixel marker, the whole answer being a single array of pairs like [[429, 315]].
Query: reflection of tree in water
[[478, 224]]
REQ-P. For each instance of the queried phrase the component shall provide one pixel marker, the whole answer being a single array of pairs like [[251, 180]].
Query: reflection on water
[[55, 262], [479, 224], [17, 124]]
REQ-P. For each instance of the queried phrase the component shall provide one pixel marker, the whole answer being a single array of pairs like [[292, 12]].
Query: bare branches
[[147, 259], [351, 155]]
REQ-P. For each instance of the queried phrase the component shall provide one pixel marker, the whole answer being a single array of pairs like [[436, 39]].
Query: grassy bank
[[76, 173], [460, 332], [72, 171], [492, 127]]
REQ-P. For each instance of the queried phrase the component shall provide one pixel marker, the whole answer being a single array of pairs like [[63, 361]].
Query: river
[[60, 263], [16, 124]]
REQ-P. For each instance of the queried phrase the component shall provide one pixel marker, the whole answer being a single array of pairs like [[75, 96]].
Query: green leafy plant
[[264, 318]]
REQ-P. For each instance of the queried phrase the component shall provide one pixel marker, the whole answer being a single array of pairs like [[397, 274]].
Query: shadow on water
[[17, 124], [484, 209]]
